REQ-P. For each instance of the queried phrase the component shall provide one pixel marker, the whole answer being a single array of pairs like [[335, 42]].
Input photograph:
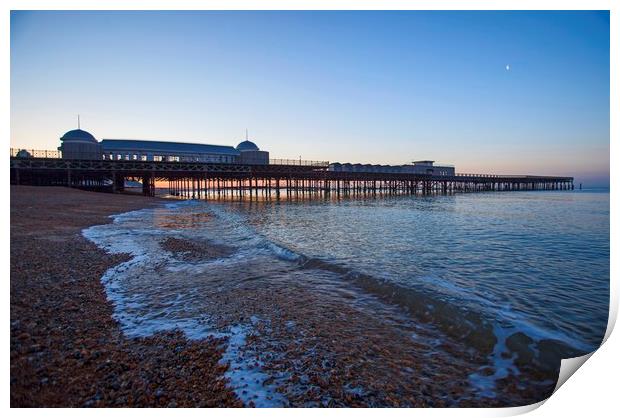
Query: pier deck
[[198, 180]]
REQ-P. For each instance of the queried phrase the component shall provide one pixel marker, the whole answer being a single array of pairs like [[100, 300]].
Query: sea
[[514, 280]]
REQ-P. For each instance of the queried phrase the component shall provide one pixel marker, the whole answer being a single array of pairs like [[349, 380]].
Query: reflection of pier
[[202, 180]]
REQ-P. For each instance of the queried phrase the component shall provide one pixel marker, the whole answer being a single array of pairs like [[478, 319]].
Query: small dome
[[24, 154], [247, 146], [78, 135]]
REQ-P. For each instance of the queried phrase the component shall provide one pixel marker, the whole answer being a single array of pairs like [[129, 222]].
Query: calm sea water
[[480, 269], [538, 261]]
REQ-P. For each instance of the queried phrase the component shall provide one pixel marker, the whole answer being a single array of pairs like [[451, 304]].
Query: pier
[[200, 180]]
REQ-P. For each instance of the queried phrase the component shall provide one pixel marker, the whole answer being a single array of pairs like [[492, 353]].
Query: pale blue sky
[[370, 87]]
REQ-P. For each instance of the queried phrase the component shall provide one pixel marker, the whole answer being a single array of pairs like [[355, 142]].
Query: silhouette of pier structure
[[286, 177]]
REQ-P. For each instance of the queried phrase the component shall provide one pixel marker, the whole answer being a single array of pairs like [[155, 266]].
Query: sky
[[490, 92]]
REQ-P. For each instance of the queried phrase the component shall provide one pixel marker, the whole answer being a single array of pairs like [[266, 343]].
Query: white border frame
[[592, 392]]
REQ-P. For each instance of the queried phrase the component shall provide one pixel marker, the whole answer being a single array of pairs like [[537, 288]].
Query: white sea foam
[[246, 374], [144, 305], [502, 366]]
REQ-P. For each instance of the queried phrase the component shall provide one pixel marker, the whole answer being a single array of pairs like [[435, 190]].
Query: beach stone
[[190, 250], [519, 343]]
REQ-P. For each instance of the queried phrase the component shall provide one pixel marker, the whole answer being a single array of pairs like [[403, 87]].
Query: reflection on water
[[441, 300], [524, 256]]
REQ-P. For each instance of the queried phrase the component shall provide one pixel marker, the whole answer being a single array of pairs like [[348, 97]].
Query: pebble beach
[[66, 350]]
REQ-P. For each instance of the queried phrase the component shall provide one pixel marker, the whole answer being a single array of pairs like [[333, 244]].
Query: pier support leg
[[118, 182], [146, 186]]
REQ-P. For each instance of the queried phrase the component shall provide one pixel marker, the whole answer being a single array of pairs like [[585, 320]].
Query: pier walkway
[[201, 180]]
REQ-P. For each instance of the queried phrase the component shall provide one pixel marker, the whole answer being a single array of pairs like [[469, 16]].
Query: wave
[[510, 346], [462, 315]]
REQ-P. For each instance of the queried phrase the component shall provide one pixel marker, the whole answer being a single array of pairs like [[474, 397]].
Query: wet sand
[[66, 350], [195, 251]]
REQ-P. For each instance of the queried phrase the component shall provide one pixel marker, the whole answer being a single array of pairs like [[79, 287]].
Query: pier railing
[[35, 153], [478, 175], [308, 163], [506, 176]]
